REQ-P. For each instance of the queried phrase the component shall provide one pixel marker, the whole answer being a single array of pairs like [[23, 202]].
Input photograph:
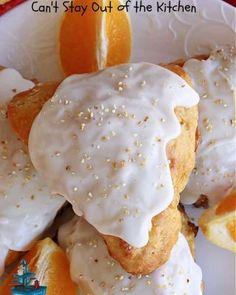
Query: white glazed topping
[[11, 83], [215, 81], [26, 206], [90, 262], [101, 143]]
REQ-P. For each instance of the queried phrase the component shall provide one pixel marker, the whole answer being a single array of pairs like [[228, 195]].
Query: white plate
[[28, 43]]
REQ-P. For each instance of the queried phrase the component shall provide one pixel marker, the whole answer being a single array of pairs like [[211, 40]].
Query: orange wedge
[[219, 223], [12, 257], [95, 40], [51, 268]]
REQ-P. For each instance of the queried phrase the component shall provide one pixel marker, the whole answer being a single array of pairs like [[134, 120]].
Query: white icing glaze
[[11, 83], [215, 81], [26, 206], [101, 143], [90, 262]]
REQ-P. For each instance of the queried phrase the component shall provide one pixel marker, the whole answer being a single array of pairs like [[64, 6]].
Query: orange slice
[[51, 268], [95, 40], [219, 223], [12, 257]]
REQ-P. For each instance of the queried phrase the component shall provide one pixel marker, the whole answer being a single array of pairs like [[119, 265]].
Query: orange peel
[[219, 223], [48, 261]]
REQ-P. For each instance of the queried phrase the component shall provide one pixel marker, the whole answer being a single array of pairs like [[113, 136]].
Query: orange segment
[[77, 41], [95, 40], [219, 223], [227, 205], [119, 34], [231, 226], [51, 267], [12, 257]]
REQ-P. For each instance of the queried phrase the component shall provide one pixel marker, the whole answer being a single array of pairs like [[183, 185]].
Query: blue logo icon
[[26, 282]]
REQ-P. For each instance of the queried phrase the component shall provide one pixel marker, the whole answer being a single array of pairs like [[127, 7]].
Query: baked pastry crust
[[166, 226], [26, 105]]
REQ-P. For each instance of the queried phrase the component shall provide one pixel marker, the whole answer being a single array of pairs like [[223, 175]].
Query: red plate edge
[[9, 5]]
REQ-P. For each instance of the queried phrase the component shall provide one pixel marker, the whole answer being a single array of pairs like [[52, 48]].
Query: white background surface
[[28, 43]]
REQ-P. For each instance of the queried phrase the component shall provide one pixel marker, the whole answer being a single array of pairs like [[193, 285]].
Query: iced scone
[[26, 205], [214, 79], [96, 273], [119, 145]]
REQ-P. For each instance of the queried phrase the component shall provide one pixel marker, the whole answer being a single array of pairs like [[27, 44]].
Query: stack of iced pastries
[[119, 145]]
